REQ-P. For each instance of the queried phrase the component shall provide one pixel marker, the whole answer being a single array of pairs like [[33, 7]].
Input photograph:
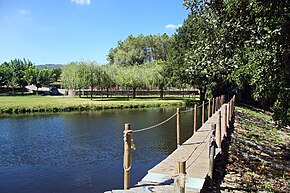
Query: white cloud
[[172, 26], [81, 2], [22, 12]]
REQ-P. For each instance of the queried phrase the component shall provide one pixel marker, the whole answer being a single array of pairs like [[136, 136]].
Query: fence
[[212, 106]]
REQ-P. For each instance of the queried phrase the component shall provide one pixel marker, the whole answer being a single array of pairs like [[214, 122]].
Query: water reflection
[[81, 152]]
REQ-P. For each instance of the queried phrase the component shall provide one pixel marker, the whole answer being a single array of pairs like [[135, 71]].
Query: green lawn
[[32, 103]]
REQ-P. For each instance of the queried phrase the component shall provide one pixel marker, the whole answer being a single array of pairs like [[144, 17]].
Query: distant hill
[[50, 66]]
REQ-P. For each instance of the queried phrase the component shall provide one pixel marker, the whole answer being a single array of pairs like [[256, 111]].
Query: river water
[[82, 151]]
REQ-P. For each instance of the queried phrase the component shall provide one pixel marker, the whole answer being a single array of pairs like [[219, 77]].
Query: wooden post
[[212, 154], [233, 106], [228, 113], [178, 127], [213, 106], [202, 113], [222, 99], [225, 119], [195, 119], [179, 181], [231, 109], [216, 104], [234, 99], [209, 106], [218, 131], [127, 156]]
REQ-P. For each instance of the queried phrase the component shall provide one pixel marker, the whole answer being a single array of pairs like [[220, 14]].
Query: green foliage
[[242, 43], [77, 75], [139, 50], [70, 76]]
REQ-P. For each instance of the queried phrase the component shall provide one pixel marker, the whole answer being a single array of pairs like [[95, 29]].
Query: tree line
[[83, 75], [20, 73]]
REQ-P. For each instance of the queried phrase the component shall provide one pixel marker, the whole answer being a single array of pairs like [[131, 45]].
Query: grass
[[259, 153], [259, 128], [32, 103]]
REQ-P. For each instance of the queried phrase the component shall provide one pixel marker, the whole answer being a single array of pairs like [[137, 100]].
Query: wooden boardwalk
[[195, 151]]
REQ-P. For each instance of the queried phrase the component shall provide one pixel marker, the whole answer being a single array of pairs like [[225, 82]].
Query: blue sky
[[61, 31]]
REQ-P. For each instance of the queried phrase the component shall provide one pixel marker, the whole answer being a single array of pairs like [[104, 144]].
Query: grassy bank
[[259, 154], [27, 104]]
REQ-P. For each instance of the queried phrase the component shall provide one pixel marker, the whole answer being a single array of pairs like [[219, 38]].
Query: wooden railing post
[[222, 99], [218, 131], [213, 106], [202, 113], [208, 111], [212, 154], [225, 119], [229, 114], [179, 180], [233, 104], [127, 156], [195, 119], [178, 127]]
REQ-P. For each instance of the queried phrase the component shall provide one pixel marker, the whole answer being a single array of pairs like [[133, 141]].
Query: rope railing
[[186, 111], [156, 125], [191, 154], [212, 106]]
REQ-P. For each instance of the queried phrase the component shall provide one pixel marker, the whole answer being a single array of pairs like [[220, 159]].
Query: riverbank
[[258, 156], [32, 103]]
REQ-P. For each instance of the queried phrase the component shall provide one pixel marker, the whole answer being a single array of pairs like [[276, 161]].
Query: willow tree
[[70, 77], [90, 75], [132, 77], [108, 76]]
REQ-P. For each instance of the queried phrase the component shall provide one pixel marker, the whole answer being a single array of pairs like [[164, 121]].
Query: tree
[[248, 44], [55, 74], [90, 75], [132, 77], [139, 50], [108, 76], [156, 75], [70, 77], [4, 74]]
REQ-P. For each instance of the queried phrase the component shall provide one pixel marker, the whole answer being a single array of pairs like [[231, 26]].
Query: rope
[[191, 109], [153, 126], [203, 141], [129, 168], [185, 111], [125, 138]]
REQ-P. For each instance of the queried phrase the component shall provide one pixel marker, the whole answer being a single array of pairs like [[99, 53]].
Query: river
[[81, 151]]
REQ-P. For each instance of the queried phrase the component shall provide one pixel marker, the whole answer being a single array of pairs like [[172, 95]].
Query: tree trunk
[[80, 94], [161, 92], [12, 91], [92, 88], [36, 90], [70, 92], [202, 91], [107, 92], [22, 90], [134, 93]]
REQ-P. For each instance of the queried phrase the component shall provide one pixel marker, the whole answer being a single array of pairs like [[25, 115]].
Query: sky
[[62, 31]]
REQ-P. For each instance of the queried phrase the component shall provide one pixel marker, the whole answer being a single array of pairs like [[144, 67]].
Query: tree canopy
[[244, 44], [139, 50]]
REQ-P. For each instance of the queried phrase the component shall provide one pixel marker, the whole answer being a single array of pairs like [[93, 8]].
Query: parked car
[[54, 91]]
